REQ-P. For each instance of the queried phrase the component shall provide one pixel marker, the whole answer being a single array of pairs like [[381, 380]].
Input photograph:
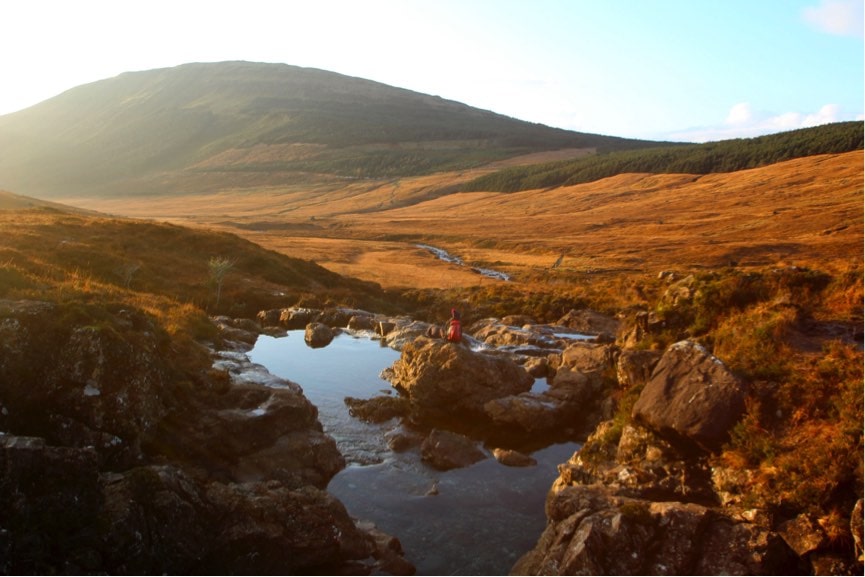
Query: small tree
[[219, 267]]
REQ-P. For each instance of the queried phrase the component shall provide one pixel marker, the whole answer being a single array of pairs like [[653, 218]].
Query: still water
[[483, 517]]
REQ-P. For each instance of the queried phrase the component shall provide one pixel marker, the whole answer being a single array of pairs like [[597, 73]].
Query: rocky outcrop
[[642, 499], [446, 380], [574, 400], [592, 531], [123, 451], [83, 376], [692, 396]]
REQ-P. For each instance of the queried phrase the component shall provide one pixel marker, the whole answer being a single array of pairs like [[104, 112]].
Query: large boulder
[[592, 531], [692, 397], [252, 431], [449, 380]]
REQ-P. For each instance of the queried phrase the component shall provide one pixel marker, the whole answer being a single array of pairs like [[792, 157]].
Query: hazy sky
[[691, 70]]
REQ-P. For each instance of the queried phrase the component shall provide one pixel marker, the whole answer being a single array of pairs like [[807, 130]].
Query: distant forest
[[723, 156]]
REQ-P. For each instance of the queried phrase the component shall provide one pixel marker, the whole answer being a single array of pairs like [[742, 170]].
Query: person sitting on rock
[[454, 333]]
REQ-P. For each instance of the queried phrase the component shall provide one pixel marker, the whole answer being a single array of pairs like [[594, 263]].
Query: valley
[[803, 212]]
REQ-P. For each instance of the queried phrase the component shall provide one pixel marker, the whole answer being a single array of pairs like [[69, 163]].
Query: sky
[[682, 70]]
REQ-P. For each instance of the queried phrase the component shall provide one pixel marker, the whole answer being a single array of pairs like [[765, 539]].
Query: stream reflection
[[481, 519]]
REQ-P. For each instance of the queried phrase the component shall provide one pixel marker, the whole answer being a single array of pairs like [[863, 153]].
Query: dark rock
[[362, 323], [253, 432], [528, 412], [402, 438], [594, 532], [318, 335], [269, 318], [446, 450], [384, 328], [80, 375], [378, 409], [50, 500], [691, 396], [163, 521]]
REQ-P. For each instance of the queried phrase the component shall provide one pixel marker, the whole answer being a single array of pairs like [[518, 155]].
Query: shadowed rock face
[[117, 456]]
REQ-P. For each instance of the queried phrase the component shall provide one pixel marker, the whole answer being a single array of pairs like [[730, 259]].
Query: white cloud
[[838, 17], [740, 114], [743, 121]]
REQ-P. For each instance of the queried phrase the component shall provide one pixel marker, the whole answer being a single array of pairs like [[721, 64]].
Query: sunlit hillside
[[200, 127], [805, 212]]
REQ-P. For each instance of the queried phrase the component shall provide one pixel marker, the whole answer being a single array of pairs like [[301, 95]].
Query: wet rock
[[241, 330], [448, 380], [403, 438], [378, 409], [527, 412], [318, 335], [388, 552], [511, 458], [362, 323], [383, 328], [589, 322], [692, 396], [446, 450]]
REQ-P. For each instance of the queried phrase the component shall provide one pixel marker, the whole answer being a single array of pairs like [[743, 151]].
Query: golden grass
[[805, 212]]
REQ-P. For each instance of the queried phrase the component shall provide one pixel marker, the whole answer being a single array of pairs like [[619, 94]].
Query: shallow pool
[[483, 517]]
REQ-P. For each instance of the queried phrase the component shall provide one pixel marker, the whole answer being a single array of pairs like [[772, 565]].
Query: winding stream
[[483, 517], [447, 257]]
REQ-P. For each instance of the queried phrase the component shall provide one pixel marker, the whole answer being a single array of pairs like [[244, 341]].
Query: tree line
[[712, 157]]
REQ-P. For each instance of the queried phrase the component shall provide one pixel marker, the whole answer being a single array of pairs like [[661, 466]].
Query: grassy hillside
[[47, 254], [713, 157], [162, 130]]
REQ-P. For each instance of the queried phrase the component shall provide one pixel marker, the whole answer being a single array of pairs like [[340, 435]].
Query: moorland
[[323, 200]]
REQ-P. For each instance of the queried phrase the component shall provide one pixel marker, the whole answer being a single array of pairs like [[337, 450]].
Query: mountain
[[185, 127]]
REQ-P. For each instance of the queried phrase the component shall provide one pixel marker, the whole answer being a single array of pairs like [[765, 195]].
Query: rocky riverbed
[[119, 457]]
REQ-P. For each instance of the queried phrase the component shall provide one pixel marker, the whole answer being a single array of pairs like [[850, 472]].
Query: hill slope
[[162, 130], [50, 254]]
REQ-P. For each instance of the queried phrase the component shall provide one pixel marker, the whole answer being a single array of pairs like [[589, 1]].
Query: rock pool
[[480, 520]]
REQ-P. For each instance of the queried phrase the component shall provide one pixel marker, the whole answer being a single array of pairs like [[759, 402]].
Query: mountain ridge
[[137, 132]]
